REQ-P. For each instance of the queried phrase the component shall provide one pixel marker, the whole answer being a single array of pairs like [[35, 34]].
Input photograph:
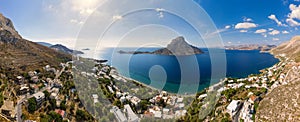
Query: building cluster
[[269, 79], [155, 109], [175, 109]]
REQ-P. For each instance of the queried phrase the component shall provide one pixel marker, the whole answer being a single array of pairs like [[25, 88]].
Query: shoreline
[[211, 85]]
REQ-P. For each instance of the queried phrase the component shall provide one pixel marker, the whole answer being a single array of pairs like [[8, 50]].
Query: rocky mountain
[[263, 48], [19, 55], [44, 44], [178, 47], [64, 49], [7, 30], [290, 49]]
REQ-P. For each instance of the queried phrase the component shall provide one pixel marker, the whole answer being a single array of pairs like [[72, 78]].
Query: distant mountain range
[[60, 48], [64, 49], [178, 47], [18, 54], [263, 48], [45, 44]]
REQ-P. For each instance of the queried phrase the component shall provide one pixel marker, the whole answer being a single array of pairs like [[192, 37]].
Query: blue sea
[[185, 74]]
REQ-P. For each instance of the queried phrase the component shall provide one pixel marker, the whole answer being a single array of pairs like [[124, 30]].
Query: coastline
[[211, 85]]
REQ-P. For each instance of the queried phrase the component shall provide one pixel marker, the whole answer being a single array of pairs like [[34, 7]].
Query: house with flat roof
[[132, 117], [118, 114], [8, 109], [40, 97], [233, 107]]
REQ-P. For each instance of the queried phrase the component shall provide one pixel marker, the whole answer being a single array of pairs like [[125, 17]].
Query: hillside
[[290, 49], [282, 103], [64, 49], [18, 54]]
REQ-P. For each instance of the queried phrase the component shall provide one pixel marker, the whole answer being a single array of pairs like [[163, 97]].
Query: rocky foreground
[[282, 103]]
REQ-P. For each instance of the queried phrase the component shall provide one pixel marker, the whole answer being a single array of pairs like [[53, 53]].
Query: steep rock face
[[290, 49], [18, 54], [7, 30], [179, 46]]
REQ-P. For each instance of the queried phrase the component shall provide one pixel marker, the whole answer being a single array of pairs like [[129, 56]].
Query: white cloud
[[245, 19], [285, 32], [270, 29], [74, 21], [274, 32], [294, 15], [245, 25], [265, 35], [161, 15], [159, 9], [229, 42], [117, 17], [292, 22], [84, 7], [227, 26], [273, 17], [260, 31], [275, 39], [243, 31]]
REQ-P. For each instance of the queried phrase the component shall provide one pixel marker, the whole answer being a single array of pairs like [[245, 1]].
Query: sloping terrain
[[291, 49], [283, 103], [19, 55]]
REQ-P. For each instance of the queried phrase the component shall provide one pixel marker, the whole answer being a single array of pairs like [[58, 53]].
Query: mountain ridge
[[64, 49], [289, 49], [21, 55]]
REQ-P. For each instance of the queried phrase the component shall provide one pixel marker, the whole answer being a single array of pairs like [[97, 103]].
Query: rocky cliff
[[18, 54]]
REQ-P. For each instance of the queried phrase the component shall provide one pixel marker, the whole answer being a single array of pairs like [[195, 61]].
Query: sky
[[126, 23]]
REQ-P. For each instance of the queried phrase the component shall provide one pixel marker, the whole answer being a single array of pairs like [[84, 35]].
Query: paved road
[[19, 111]]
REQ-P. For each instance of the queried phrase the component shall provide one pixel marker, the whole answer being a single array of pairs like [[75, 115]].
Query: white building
[[132, 117], [179, 100], [233, 107], [118, 114], [180, 113], [95, 97], [40, 97]]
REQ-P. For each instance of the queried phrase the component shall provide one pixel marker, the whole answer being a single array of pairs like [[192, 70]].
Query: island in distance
[[178, 47]]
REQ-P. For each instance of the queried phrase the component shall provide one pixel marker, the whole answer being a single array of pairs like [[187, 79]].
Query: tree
[[52, 105], [117, 103], [32, 105], [80, 115], [55, 116], [144, 104], [1, 99], [47, 94], [63, 106]]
